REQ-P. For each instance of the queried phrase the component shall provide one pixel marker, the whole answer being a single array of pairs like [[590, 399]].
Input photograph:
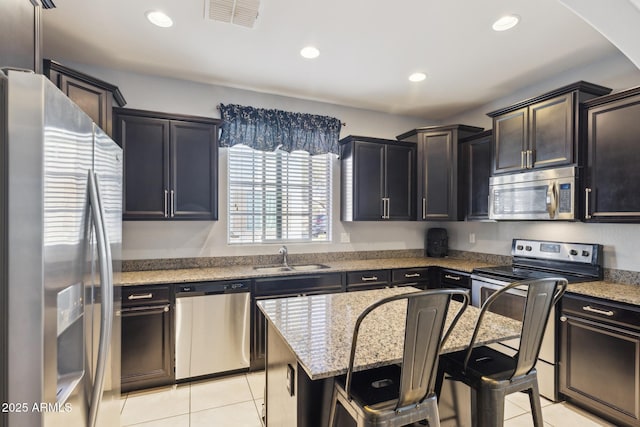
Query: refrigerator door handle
[[106, 293]]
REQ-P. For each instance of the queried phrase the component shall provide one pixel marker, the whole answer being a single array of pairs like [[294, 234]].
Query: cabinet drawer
[[294, 285], [146, 295], [368, 279], [602, 311], [455, 278], [409, 275]]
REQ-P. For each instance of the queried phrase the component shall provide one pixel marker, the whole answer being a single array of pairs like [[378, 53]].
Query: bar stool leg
[[536, 408]]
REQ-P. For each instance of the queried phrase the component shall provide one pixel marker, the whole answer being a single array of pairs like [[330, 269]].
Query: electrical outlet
[[345, 237], [472, 237]]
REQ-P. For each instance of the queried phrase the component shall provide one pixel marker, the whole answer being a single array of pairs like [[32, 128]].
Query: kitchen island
[[309, 339]]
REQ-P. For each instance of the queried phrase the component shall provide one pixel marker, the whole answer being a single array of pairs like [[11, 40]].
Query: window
[[276, 196]]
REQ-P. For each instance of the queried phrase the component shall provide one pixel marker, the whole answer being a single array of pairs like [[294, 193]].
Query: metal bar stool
[[491, 374], [398, 395]]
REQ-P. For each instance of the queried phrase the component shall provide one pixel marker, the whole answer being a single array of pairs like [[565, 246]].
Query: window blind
[[276, 196]]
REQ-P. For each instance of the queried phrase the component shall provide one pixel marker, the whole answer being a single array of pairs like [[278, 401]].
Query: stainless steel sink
[[281, 268], [308, 267]]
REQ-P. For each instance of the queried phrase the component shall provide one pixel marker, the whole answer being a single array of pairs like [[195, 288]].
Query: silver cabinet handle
[[448, 276], [166, 204], [385, 208], [140, 296], [607, 313], [587, 193], [408, 276], [424, 208], [369, 279], [522, 160], [529, 159], [173, 204]]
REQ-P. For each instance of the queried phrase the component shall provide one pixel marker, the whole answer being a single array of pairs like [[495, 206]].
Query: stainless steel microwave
[[547, 194]]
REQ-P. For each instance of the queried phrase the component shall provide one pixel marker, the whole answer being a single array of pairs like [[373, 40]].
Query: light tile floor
[[236, 401]]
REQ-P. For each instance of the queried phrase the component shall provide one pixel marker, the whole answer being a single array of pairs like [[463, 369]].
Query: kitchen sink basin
[[308, 267], [299, 267]]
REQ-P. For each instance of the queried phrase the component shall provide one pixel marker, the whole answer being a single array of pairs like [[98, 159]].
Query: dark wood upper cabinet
[[476, 170], [170, 165], [613, 139], [438, 169], [95, 97], [541, 132], [378, 179]]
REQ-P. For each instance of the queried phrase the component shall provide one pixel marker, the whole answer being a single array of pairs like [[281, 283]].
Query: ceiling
[[368, 48]]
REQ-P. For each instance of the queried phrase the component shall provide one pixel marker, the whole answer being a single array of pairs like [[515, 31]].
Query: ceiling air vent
[[239, 12]]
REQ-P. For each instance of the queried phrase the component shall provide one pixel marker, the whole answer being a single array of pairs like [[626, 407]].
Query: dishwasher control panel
[[212, 288]]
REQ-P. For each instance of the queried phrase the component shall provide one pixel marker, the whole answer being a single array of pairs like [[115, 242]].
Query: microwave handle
[[552, 196]]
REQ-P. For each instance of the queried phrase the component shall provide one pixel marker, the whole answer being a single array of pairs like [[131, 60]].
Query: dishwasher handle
[[211, 288]]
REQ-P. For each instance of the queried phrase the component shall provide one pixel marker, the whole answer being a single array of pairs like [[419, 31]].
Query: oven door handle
[[552, 199]]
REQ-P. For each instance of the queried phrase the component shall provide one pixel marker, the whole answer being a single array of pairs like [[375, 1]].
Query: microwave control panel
[[565, 196]]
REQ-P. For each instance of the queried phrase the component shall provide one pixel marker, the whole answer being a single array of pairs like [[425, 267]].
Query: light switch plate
[[345, 237]]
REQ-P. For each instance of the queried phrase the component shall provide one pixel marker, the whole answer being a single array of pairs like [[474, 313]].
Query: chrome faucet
[[283, 251]]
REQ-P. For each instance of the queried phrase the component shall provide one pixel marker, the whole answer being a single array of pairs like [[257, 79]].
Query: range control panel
[[587, 253]]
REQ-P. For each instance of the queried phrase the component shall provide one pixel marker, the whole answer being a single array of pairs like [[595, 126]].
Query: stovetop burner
[[536, 259]]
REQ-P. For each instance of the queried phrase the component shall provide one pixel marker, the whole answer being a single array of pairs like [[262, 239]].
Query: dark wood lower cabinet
[[600, 358], [147, 338]]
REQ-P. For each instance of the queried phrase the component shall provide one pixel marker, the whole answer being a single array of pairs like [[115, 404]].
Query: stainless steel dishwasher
[[212, 328]]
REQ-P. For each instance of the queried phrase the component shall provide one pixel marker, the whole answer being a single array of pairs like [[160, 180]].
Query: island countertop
[[318, 329]]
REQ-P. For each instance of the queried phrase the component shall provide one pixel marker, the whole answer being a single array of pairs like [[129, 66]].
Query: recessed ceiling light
[[310, 52], [506, 22], [417, 77], [159, 18]]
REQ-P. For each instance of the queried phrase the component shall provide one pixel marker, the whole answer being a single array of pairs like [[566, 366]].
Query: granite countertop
[[322, 346], [629, 294], [618, 292], [186, 275]]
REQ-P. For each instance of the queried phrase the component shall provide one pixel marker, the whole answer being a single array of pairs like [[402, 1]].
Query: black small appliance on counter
[[437, 242]]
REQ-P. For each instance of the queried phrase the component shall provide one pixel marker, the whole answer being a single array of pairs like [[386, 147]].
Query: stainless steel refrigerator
[[60, 224]]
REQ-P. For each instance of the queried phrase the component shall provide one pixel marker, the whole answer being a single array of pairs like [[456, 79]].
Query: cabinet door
[[145, 142], [194, 170], [551, 135], [600, 368], [476, 172], [614, 156], [437, 184], [94, 101], [147, 349], [368, 170], [400, 181], [510, 136]]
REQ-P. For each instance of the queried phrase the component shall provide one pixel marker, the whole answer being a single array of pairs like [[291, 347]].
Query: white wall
[[147, 239]]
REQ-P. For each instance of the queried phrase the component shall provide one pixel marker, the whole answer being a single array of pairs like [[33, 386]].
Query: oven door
[[510, 304]]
